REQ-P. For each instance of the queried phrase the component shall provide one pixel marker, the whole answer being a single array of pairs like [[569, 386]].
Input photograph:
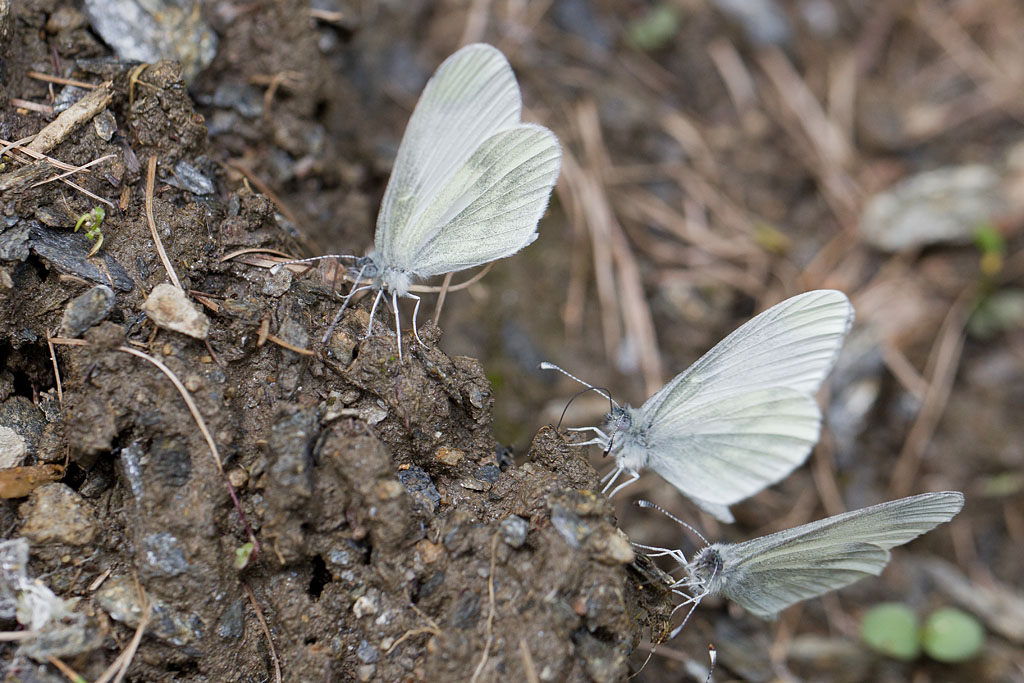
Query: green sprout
[[243, 554], [892, 629], [949, 635], [91, 221]]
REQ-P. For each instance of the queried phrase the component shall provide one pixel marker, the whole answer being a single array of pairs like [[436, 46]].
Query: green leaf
[[243, 554], [654, 30], [892, 629], [997, 313], [952, 635]]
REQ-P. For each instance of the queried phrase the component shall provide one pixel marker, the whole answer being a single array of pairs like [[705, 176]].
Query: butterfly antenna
[[575, 396], [649, 505], [276, 268], [551, 366]]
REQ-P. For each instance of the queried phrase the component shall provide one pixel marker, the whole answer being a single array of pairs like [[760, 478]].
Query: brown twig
[[150, 181], [56, 370], [19, 146], [529, 668], [119, 667], [31, 106], [456, 287], [944, 361], [266, 632], [71, 674], [61, 81], [291, 347], [442, 296], [255, 250], [15, 636], [476, 22], [134, 78], [73, 171], [71, 118]]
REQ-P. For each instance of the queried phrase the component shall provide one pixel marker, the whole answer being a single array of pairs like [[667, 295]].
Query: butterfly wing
[[765, 575], [743, 416], [471, 98], [490, 207], [718, 452]]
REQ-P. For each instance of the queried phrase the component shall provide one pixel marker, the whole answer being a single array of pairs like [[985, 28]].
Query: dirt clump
[[396, 540]]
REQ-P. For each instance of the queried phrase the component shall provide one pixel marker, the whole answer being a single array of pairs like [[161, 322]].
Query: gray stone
[[513, 530], [86, 310], [164, 555], [946, 205], [154, 30], [189, 178], [366, 652], [105, 125]]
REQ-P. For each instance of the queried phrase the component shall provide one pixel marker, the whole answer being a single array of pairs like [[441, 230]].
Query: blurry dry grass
[[838, 120]]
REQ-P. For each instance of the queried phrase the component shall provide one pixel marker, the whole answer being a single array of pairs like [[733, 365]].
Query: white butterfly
[[469, 184], [743, 416], [768, 574]]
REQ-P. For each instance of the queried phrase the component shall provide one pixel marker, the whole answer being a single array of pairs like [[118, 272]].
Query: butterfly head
[[626, 442], [393, 280], [705, 571]]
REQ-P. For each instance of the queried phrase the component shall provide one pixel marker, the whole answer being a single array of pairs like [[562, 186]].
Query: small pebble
[[12, 448], [365, 605], [944, 205], [449, 456], [366, 652], [430, 552], [86, 310], [238, 478], [56, 513], [105, 125], [513, 530], [168, 307]]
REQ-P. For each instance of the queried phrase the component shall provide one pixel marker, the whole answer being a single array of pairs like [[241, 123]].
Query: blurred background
[[719, 156]]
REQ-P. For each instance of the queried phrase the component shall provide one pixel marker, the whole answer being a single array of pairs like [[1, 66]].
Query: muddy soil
[[396, 540], [366, 517]]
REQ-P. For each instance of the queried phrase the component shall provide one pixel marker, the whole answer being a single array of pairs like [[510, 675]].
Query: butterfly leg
[[373, 312], [415, 311], [633, 476], [695, 600], [655, 551], [398, 324], [610, 478], [341, 310], [595, 430], [592, 442]]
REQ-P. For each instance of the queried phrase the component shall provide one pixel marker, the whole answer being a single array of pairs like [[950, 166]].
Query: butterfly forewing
[[743, 416], [490, 207], [726, 450], [770, 573], [793, 344], [472, 96]]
